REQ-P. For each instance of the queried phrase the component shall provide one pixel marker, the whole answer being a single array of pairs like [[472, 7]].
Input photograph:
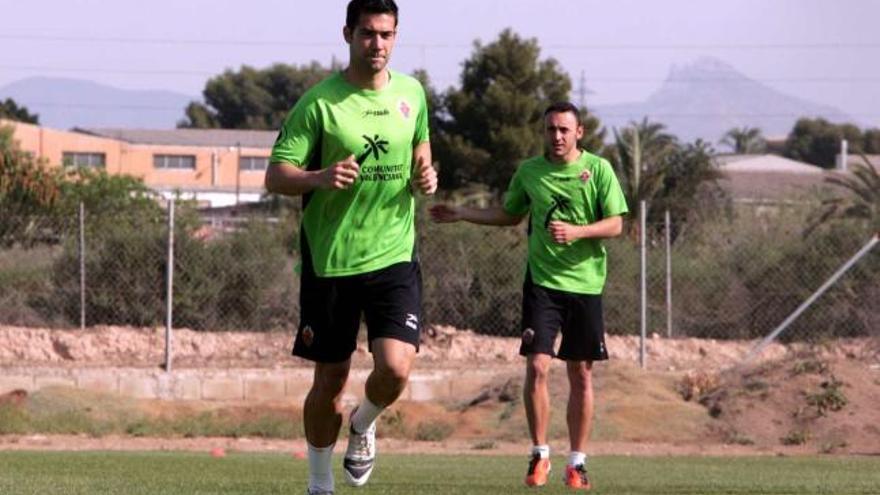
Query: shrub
[[219, 284], [433, 432]]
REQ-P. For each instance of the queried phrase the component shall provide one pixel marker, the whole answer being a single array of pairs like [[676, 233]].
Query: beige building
[[859, 159], [215, 167], [768, 179]]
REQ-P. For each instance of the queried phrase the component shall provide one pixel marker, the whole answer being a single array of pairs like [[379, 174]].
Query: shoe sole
[[352, 481], [536, 484]]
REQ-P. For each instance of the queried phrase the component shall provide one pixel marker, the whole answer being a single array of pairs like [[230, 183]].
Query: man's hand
[[444, 213], [340, 175], [563, 233], [425, 177]]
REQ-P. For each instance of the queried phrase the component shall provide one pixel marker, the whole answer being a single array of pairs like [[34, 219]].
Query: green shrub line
[[16, 420], [731, 280]]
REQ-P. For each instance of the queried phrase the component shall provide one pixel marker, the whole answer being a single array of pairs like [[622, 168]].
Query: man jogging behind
[[573, 200]]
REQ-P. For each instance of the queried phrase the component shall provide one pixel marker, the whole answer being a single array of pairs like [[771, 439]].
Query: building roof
[[774, 186], [853, 159], [765, 164], [214, 138], [770, 178]]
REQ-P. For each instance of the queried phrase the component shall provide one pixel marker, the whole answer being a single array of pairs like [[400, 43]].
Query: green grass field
[[190, 473]]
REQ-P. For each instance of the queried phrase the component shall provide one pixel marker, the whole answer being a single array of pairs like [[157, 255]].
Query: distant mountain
[[709, 97], [65, 103]]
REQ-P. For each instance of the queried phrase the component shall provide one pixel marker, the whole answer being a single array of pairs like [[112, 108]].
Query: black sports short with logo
[[546, 312], [389, 299]]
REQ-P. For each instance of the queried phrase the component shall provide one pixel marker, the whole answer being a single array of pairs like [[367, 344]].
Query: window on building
[[77, 159], [259, 163], [174, 162]]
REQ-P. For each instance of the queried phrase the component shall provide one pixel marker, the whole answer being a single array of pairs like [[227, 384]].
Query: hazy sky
[[825, 51]]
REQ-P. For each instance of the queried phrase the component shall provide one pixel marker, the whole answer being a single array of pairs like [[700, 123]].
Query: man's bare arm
[[424, 175], [290, 180], [603, 229], [444, 213]]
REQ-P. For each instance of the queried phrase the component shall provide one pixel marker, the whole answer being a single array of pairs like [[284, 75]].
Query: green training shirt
[[580, 193], [370, 225]]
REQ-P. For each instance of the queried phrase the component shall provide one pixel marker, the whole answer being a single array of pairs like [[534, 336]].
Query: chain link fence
[[729, 279], [31, 252], [740, 281]]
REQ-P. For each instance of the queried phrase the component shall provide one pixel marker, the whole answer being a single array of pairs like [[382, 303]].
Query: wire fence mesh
[[729, 280]]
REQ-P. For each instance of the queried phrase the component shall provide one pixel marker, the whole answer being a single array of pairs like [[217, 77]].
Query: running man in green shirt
[[573, 200], [355, 147]]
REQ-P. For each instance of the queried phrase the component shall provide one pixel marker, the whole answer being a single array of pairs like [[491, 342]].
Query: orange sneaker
[[576, 477], [539, 469]]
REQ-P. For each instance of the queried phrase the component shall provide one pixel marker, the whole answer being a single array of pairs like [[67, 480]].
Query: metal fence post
[[668, 229], [644, 282], [169, 295], [810, 300], [82, 266]]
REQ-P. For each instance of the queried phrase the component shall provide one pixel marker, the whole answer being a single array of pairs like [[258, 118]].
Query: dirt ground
[[135, 347], [692, 399], [828, 402]]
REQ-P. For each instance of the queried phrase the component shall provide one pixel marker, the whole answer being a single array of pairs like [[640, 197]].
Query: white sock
[[542, 450], [364, 416], [320, 468], [577, 459]]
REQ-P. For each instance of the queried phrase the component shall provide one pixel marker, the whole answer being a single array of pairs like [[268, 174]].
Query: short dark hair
[[563, 107], [356, 8]]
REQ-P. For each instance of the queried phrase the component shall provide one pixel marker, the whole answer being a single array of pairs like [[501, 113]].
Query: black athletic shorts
[[545, 312], [389, 299]]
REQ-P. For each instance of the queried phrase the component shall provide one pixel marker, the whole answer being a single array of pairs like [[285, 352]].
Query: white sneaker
[[360, 456]]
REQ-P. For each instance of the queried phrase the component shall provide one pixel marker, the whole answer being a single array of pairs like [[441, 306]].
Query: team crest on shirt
[[308, 336], [585, 176], [404, 108]]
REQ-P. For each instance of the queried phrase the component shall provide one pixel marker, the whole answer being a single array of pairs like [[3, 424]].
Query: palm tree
[[654, 166], [639, 155], [862, 201], [691, 191], [745, 140]]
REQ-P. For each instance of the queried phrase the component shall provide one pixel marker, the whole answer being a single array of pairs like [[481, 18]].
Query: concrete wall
[[234, 384]]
